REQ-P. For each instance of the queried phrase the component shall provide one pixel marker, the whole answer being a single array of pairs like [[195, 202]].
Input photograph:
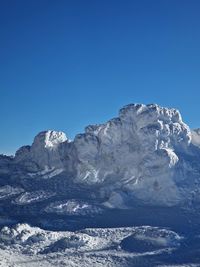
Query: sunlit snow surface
[[31, 197], [8, 191], [25, 245], [90, 247], [72, 207], [124, 193]]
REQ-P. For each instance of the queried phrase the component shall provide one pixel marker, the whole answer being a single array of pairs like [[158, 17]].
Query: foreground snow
[[24, 245], [141, 168]]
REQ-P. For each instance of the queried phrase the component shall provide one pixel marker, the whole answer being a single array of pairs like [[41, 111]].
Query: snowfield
[[31, 246], [8, 191], [123, 193], [72, 207], [31, 197]]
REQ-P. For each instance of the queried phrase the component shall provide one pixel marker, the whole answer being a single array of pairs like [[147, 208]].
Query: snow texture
[[145, 158], [89, 247], [142, 152]]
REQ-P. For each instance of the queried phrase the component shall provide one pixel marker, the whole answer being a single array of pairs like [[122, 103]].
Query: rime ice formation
[[196, 137], [146, 154], [141, 168], [137, 150], [44, 152]]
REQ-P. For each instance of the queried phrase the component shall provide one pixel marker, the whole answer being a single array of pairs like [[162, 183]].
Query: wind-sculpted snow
[[89, 247], [31, 197], [150, 239], [72, 207], [196, 137], [8, 191], [44, 152], [141, 168], [87, 239], [147, 154]]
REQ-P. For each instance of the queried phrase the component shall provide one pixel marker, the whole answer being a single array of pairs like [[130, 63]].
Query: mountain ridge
[[145, 154]]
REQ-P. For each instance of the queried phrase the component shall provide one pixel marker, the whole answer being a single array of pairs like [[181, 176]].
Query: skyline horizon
[[67, 64], [71, 138]]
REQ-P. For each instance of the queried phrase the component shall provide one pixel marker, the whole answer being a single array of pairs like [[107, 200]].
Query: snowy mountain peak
[[157, 119], [143, 154], [167, 114], [49, 139], [138, 151], [43, 153]]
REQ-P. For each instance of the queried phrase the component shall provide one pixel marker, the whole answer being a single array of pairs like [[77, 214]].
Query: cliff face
[[147, 153]]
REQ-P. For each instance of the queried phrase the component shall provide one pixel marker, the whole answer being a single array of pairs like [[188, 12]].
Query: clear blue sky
[[65, 64]]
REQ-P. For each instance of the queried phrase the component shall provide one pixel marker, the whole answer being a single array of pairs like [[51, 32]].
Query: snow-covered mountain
[[147, 155], [124, 193]]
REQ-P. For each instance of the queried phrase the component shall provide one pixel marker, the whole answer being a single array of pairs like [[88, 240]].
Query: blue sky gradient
[[66, 64]]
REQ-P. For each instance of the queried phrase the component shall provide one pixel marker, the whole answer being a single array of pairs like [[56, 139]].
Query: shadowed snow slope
[[196, 137], [32, 246], [146, 154]]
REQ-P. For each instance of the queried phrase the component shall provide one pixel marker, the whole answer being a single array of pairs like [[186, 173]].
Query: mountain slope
[[147, 155]]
